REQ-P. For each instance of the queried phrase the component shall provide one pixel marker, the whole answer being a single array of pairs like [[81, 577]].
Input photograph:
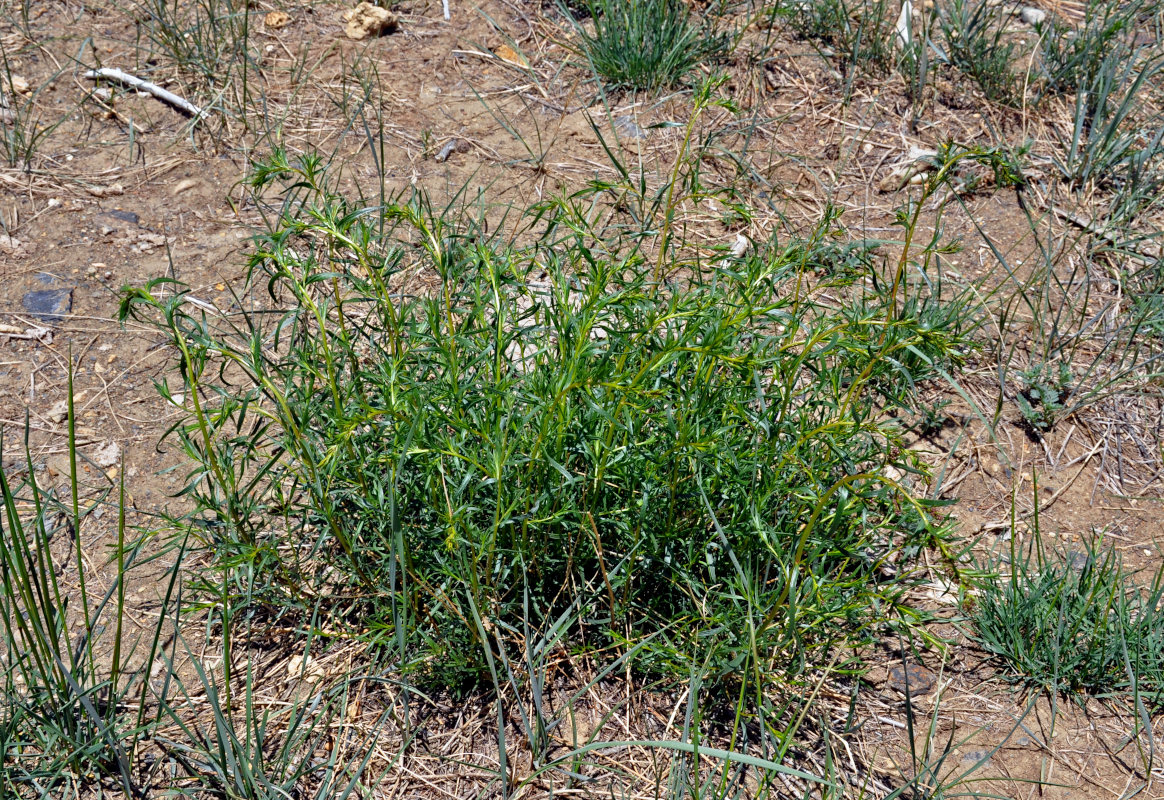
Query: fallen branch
[[145, 86]]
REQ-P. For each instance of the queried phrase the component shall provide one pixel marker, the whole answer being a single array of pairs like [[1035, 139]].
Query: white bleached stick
[[445, 6], [904, 27], [145, 86]]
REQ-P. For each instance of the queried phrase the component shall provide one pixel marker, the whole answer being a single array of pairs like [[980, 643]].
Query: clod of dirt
[[912, 678], [60, 410], [107, 455], [980, 758], [48, 304], [276, 20], [112, 190], [11, 246], [1076, 559], [183, 185], [20, 85], [511, 56], [145, 242], [367, 21]]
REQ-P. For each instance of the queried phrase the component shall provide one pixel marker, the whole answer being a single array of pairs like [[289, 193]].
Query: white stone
[[1032, 16]]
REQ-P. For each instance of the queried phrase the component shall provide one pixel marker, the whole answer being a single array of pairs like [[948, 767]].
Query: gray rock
[[121, 216], [48, 305]]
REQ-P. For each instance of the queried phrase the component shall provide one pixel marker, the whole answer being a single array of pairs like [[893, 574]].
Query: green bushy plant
[[1108, 136], [1044, 394], [543, 417]]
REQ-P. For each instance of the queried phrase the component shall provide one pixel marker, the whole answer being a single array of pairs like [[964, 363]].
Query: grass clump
[[23, 130], [1072, 59], [1073, 623], [208, 38], [543, 428], [86, 697], [70, 706], [858, 33], [977, 43], [1117, 141], [646, 44]]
